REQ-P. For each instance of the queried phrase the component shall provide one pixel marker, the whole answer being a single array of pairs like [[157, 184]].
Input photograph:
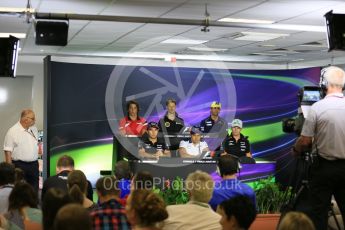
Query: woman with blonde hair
[[296, 221]]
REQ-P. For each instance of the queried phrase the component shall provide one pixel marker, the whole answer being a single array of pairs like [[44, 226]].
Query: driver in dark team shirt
[[171, 125], [236, 144], [150, 146]]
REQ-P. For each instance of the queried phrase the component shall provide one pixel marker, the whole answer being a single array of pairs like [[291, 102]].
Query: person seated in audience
[[171, 125], [123, 173], [19, 175], [77, 186], [151, 146], [64, 166], [146, 210], [54, 199], [237, 213], [229, 187], [132, 124], [110, 207], [3, 223], [73, 217], [7, 172], [23, 207], [236, 144], [194, 148], [296, 221], [196, 214], [142, 180]]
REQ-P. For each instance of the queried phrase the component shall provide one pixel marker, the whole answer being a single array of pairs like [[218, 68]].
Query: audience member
[[142, 180], [3, 223], [22, 207], [77, 186], [19, 175], [296, 221], [229, 186], [237, 213], [72, 217], [110, 214], [54, 199], [7, 173], [196, 214], [145, 210], [194, 147], [64, 166], [124, 175]]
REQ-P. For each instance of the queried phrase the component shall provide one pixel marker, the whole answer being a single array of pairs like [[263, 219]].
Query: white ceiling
[[99, 38]]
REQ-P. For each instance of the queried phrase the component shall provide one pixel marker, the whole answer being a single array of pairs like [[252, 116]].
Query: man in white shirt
[[21, 147], [193, 148]]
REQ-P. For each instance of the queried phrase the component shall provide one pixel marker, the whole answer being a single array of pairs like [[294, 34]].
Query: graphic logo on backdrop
[[194, 89]]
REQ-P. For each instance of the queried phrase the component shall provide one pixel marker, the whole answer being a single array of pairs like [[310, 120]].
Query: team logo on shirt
[[167, 124]]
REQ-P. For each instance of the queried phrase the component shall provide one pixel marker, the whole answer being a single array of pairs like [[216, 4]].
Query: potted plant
[[173, 192], [270, 197]]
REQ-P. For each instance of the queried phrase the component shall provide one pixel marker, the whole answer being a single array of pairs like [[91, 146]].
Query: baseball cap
[[216, 104], [195, 130], [236, 123], [152, 124]]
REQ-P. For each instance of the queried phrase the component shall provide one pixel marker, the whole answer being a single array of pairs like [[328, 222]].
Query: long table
[[172, 168]]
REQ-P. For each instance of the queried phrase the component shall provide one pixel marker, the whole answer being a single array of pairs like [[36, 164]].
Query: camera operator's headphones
[[323, 81]]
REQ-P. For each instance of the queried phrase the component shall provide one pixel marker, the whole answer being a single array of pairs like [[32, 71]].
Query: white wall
[[33, 66], [18, 95]]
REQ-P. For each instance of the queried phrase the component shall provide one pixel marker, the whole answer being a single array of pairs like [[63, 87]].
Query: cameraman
[[324, 131]]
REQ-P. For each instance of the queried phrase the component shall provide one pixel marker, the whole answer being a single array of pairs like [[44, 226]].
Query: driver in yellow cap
[[214, 123]]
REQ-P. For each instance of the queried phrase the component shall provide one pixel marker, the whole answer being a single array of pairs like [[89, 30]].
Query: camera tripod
[[301, 187]]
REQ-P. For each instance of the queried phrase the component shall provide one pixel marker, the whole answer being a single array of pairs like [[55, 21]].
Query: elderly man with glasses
[[21, 147]]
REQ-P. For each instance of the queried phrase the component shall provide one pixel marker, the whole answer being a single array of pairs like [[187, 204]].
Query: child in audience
[[237, 213]]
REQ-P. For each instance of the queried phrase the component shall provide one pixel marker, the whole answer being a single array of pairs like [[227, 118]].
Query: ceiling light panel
[[17, 35], [245, 20], [183, 41], [281, 10], [255, 36], [206, 49]]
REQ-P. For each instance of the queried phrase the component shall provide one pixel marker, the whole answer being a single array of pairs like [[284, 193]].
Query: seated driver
[[193, 148], [150, 146]]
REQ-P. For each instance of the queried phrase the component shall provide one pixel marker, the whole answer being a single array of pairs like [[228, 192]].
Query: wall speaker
[[335, 31], [9, 48], [51, 33]]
